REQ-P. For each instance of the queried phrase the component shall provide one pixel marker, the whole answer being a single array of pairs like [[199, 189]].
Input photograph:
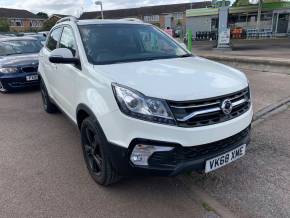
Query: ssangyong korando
[[142, 102]]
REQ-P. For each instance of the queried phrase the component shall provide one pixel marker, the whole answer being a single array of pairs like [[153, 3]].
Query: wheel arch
[[82, 112]]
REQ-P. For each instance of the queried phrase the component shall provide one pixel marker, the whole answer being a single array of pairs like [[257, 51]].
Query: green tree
[[4, 25], [42, 15], [48, 24]]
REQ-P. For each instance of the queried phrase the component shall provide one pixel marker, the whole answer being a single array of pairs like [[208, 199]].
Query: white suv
[[143, 103]]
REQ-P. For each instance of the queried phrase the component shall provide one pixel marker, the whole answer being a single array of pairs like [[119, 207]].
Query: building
[[55, 17], [51, 21], [274, 19], [21, 20], [164, 16]]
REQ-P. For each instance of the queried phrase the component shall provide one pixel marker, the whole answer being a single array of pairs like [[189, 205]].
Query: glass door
[[283, 23]]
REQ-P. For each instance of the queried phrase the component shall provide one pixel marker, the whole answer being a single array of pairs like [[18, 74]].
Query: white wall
[[196, 24]]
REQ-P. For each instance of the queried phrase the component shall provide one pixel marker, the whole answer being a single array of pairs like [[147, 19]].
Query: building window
[[266, 16], [12, 22], [151, 19], [16, 22], [35, 23], [178, 16]]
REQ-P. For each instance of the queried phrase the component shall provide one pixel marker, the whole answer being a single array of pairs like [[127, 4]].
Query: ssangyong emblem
[[227, 106]]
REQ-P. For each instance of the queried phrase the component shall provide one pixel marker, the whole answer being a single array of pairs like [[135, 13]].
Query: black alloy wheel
[[96, 155], [92, 151], [48, 106]]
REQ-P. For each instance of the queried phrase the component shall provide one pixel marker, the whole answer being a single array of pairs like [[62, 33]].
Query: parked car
[[142, 102], [18, 63], [43, 33], [40, 38], [5, 35]]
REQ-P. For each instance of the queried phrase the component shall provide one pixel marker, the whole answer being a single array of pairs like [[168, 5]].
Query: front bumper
[[18, 81], [179, 160], [129, 129]]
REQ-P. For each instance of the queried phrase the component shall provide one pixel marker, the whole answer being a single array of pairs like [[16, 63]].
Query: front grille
[[29, 69], [181, 154], [208, 111], [23, 84]]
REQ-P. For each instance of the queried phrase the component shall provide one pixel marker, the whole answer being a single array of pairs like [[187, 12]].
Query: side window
[[53, 39], [67, 40]]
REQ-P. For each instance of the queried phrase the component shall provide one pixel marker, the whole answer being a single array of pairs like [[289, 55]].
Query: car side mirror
[[63, 56]]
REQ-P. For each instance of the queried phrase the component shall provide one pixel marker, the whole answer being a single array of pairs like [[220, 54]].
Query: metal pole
[[277, 20], [102, 11], [259, 15], [189, 40]]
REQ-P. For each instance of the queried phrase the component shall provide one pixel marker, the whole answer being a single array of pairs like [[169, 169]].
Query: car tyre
[[95, 154], [48, 106]]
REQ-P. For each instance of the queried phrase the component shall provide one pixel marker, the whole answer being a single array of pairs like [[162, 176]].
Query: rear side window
[[53, 39], [67, 40]]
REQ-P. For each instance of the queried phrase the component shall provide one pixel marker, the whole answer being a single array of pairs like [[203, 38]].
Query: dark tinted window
[[14, 47], [67, 40], [53, 39], [113, 43]]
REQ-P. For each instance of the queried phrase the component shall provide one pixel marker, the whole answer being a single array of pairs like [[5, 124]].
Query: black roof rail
[[70, 18]]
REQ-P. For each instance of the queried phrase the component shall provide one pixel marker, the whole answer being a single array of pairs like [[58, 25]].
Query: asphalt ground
[[269, 48], [267, 88], [42, 172], [258, 185]]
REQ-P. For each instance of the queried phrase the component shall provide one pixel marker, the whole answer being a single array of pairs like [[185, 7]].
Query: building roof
[[16, 13], [236, 10], [143, 11]]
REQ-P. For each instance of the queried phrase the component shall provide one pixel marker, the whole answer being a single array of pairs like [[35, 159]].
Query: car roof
[[7, 39]]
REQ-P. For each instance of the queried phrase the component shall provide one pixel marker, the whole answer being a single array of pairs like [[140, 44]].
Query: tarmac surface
[[267, 88], [42, 172], [268, 48], [258, 185]]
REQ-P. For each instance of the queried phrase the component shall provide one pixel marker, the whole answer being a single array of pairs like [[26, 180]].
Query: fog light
[[141, 153]]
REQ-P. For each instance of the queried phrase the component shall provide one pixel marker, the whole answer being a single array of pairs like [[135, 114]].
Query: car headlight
[[8, 69], [137, 105]]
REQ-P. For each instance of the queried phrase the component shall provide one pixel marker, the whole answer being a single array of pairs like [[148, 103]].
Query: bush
[[4, 25]]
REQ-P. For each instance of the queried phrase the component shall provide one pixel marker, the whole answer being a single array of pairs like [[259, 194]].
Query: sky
[[76, 7]]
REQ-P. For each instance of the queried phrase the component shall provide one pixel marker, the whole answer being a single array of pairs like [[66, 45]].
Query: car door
[[47, 68], [65, 74]]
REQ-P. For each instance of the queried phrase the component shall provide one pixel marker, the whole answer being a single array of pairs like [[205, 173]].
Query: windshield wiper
[[185, 56], [133, 60], [141, 59]]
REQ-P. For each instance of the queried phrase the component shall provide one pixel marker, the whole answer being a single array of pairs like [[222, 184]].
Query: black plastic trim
[[120, 157]]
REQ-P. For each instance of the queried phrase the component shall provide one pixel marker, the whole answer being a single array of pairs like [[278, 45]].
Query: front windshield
[[114, 43], [14, 47]]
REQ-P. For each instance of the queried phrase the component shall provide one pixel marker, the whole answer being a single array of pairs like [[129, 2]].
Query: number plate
[[32, 77], [225, 159]]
